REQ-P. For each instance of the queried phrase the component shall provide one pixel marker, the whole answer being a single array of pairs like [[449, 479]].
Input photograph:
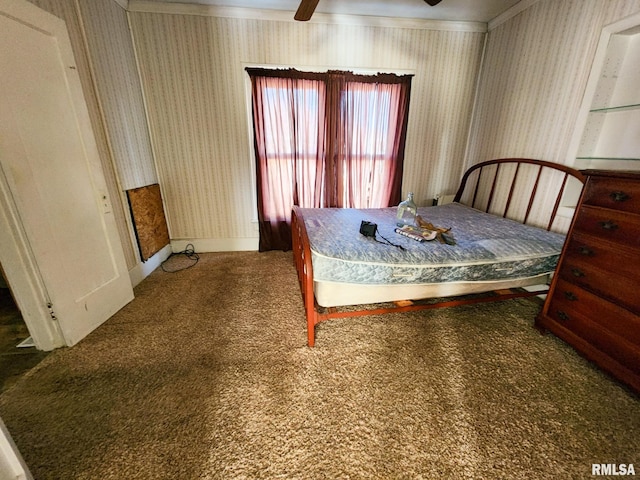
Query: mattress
[[488, 248]]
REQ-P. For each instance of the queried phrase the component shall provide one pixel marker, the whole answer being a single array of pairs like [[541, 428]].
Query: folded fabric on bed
[[488, 247]]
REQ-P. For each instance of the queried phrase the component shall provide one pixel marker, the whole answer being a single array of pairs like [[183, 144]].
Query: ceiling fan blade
[[305, 10], [433, 3]]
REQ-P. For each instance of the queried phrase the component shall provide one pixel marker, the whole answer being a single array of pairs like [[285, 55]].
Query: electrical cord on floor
[[188, 252]]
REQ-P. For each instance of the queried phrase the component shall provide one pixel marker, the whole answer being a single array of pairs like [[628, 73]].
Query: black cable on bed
[[387, 242]]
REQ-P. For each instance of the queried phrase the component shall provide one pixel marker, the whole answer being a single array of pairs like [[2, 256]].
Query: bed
[[501, 220]]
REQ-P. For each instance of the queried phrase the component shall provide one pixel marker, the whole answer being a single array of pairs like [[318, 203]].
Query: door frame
[[23, 276]]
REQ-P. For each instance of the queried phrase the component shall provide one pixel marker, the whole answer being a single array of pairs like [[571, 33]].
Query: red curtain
[[332, 139]]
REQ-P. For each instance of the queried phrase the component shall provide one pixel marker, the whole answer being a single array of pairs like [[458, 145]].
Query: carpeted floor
[[206, 375]]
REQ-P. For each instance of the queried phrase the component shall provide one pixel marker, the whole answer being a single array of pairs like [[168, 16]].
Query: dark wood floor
[[14, 361]]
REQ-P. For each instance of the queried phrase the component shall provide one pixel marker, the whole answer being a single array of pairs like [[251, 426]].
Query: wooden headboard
[[495, 185]]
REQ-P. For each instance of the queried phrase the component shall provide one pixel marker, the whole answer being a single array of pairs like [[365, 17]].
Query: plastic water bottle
[[407, 211]]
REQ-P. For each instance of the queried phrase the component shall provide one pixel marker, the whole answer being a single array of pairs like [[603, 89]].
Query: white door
[[52, 173]]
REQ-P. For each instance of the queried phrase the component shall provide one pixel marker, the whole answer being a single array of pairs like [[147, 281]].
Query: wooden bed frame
[[316, 314]]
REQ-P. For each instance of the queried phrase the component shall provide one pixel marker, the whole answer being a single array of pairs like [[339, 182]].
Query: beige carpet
[[206, 375]]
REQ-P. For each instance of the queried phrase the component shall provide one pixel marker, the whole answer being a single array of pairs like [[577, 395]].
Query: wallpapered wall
[[534, 76], [196, 88], [533, 79], [118, 84], [535, 69]]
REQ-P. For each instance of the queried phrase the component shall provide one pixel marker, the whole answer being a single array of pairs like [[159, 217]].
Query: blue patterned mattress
[[487, 247]]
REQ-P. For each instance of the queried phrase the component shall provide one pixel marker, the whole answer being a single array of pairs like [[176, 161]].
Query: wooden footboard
[[302, 259]]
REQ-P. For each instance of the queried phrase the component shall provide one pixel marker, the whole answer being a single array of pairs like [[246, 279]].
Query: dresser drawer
[[612, 345], [614, 193], [615, 287], [611, 225], [606, 256], [569, 299]]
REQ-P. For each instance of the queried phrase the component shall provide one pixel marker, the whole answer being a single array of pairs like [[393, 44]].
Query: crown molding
[[519, 7], [146, 6]]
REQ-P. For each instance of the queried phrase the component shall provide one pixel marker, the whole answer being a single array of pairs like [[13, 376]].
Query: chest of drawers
[[594, 299]]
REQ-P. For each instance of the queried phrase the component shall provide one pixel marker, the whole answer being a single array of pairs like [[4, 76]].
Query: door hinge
[[51, 312]]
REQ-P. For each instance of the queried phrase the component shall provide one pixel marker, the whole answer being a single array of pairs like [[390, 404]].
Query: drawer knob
[[608, 225], [619, 196], [562, 315], [570, 296], [586, 251], [576, 272]]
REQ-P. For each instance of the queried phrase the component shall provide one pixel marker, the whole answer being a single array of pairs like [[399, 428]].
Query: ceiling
[[450, 10]]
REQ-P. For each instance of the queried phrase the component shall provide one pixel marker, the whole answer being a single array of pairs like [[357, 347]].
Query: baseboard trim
[[143, 269], [203, 245]]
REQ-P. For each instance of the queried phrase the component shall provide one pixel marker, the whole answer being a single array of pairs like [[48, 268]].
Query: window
[[325, 140]]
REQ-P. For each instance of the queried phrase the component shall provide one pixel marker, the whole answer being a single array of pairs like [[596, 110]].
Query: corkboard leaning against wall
[[148, 219]]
